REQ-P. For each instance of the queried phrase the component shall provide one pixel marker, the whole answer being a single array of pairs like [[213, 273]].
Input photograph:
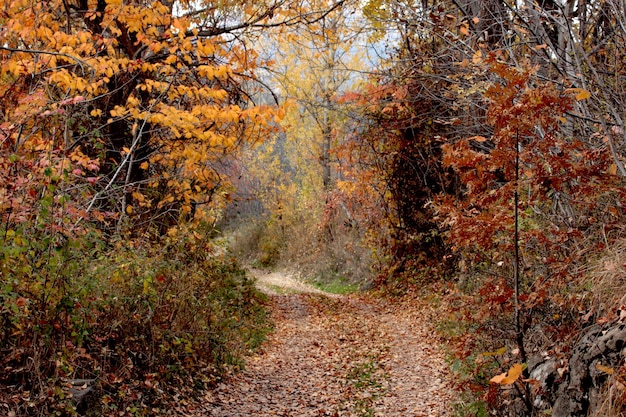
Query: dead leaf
[[605, 369], [478, 57], [587, 316], [509, 377], [583, 95], [500, 351]]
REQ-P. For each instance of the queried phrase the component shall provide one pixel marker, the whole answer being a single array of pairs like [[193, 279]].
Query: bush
[[125, 318], [317, 241]]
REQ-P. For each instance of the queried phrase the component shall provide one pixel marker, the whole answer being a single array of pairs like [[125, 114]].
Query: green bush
[[129, 315]]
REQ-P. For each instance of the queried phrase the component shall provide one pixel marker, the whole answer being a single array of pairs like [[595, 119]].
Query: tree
[[297, 171], [129, 104], [467, 80]]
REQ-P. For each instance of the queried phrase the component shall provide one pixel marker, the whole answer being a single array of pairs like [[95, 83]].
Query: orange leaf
[[509, 377], [479, 138], [605, 369], [478, 57], [583, 95], [612, 169]]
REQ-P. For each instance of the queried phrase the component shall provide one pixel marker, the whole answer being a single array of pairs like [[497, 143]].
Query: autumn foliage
[[128, 106], [482, 152], [462, 126], [116, 120]]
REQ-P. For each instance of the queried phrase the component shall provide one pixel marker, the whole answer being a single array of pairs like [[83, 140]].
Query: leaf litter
[[338, 356]]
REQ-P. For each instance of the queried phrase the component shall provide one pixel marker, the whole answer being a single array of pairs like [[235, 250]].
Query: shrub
[[126, 317]]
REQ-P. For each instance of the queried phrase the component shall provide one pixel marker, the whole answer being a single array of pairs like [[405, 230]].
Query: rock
[[546, 373], [83, 392], [573, 388]]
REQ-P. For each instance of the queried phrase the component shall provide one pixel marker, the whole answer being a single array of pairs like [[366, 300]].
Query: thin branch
[[42, 52], [255, 23], [128, 156]]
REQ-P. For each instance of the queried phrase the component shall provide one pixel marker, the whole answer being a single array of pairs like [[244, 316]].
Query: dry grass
[[606, 280], [606, 283], [613, 400]]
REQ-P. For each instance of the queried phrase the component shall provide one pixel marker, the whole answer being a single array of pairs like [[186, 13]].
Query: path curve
[[276, 283], [338, 356]]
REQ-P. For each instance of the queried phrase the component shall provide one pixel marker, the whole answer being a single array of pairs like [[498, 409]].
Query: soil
[[332, 355]]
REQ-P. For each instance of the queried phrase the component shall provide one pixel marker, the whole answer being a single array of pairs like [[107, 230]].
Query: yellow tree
[[297, 171], [126, 106], [313, 68]]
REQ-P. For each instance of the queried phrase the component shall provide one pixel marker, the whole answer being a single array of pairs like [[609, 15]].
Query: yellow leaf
[[509, 377], [605, 369], [129, 209], [138, 196], [498, 378], [96, 112], [500, 351], [583, 95], [478, 57], [144, 165]]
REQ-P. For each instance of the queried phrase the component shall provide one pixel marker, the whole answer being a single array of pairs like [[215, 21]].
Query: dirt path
[[275, 283], [338, 356]]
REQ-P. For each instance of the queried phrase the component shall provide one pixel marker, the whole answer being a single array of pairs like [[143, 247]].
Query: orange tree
[[537, 204], [391, 161], [129, 104]]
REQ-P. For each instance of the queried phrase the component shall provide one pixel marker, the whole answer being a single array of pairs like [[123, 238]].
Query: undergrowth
[[136, 322], [333, 253]]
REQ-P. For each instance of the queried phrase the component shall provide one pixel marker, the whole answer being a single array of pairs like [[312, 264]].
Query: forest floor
[[338, 355]]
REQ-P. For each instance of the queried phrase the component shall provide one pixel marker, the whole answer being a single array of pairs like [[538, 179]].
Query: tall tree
[[314, 67], [129, 104]]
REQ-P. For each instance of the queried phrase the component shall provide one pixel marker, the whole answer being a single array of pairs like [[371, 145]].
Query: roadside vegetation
[[470, 152], [107, 329]]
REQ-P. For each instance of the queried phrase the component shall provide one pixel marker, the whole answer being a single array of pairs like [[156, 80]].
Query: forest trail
[[333, 355]]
